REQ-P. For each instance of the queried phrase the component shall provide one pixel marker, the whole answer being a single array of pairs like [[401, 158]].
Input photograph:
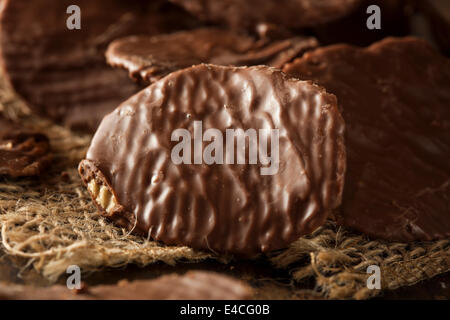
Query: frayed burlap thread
[[339, 261], [54, 231], [51, 223]]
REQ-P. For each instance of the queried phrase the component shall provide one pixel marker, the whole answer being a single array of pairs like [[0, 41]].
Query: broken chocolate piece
[[61, 73], [239, 14], [194, 285], [150, 58], [395, 99], [280, 182], [23, 152]]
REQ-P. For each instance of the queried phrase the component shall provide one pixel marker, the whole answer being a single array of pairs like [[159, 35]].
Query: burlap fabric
[[51, 222]]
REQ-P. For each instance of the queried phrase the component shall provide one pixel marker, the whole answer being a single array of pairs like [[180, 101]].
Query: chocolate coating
[[227, 208], [61, 73], [247, 14], [395, 99], [194, 285], [22, 152], [352, 29], [150, 58], [438, 14]]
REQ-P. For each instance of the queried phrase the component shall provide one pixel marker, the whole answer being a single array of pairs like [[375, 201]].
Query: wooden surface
[[267, 282]]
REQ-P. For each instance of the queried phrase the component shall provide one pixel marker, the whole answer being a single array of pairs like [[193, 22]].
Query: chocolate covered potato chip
[[233, 160], [149, 58], [61, 73], [238, 14], [395, 100], [194, 285], [23, 152]]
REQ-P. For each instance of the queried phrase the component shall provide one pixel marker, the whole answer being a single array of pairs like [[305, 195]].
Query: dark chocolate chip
[[395, 99], [150, 58], [62, 73], [243, 208], [248, 14], [194, 285], [23, 152]]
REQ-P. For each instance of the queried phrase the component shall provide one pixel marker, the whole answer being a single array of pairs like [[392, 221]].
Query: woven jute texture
[[339, 261], [51, 222]]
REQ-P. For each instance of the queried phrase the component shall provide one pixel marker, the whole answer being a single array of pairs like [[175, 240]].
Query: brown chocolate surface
[[247, 14], [194, 285], [395, 99], [438, 14], [352, 28], [150, 58], [226, 208], [61, 73], [22, 152]]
